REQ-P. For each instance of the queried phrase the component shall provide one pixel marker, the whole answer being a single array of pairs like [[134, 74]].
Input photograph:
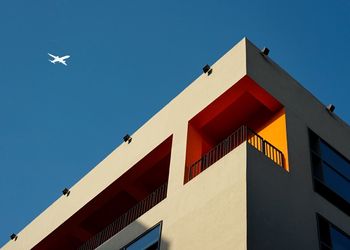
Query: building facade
[[243, 158]]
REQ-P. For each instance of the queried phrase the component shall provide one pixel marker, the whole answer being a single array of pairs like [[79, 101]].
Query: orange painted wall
[[194, 145], [197, 145], [275, 132]]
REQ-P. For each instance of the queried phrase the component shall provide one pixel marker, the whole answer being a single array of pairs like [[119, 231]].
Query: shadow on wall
[[279, 208], [137, 236]]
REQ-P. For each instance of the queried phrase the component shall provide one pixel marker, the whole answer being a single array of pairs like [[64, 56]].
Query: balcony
[[132, 194], [223, 125], [231, 142], [127, 218]]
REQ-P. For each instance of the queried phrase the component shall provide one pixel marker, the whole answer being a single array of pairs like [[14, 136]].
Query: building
[[243, 158]]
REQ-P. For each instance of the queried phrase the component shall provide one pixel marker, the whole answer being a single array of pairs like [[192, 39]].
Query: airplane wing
[[63, 62], [51, 55], [65, 57]]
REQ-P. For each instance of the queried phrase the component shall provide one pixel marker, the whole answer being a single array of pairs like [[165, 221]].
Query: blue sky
[[129, 59]]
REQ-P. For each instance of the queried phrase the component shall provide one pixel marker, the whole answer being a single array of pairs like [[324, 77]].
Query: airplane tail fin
[[52, 61]]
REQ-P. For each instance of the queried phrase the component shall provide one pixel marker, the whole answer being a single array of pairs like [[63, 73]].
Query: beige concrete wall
[[209, 212], [278, 215], [172, 119]]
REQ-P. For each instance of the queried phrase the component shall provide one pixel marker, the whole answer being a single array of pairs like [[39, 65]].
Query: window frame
[[319, 184], [322, 220], [160, 224]]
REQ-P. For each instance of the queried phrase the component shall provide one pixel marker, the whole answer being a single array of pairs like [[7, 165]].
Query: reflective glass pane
[[336, 182], [148, 241], [335, 159], [339, 240]]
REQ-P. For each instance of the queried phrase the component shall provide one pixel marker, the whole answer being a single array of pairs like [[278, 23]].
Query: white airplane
[[59, 59]]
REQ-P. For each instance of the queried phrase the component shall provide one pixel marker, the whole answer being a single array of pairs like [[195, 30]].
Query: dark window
[[331, 173], [331, 237], [150, 240]]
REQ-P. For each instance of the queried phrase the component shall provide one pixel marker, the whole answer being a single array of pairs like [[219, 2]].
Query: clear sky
[[129, 59]]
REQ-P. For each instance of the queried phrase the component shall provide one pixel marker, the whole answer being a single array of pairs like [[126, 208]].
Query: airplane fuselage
[[59, 59]]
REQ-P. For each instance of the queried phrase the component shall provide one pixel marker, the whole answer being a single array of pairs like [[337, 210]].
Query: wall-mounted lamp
[[13, 236], [330, 108], [265, 51], [66, 191], [207, 69], [127, 138]]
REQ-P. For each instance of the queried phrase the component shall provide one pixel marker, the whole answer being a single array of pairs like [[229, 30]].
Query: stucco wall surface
[[209, 212]]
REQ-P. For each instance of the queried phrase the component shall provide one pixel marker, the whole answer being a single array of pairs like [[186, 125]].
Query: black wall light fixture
[[330, 108], [207, 69], [66, 191], [127, 138], [13, 236], [265, 51]]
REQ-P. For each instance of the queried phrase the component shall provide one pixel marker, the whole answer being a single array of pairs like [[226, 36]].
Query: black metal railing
[[125, 219], [265, 147], [231, 142]]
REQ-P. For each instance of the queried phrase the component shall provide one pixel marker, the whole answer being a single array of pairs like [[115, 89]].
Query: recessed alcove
[[132, 194], [244, 104]]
